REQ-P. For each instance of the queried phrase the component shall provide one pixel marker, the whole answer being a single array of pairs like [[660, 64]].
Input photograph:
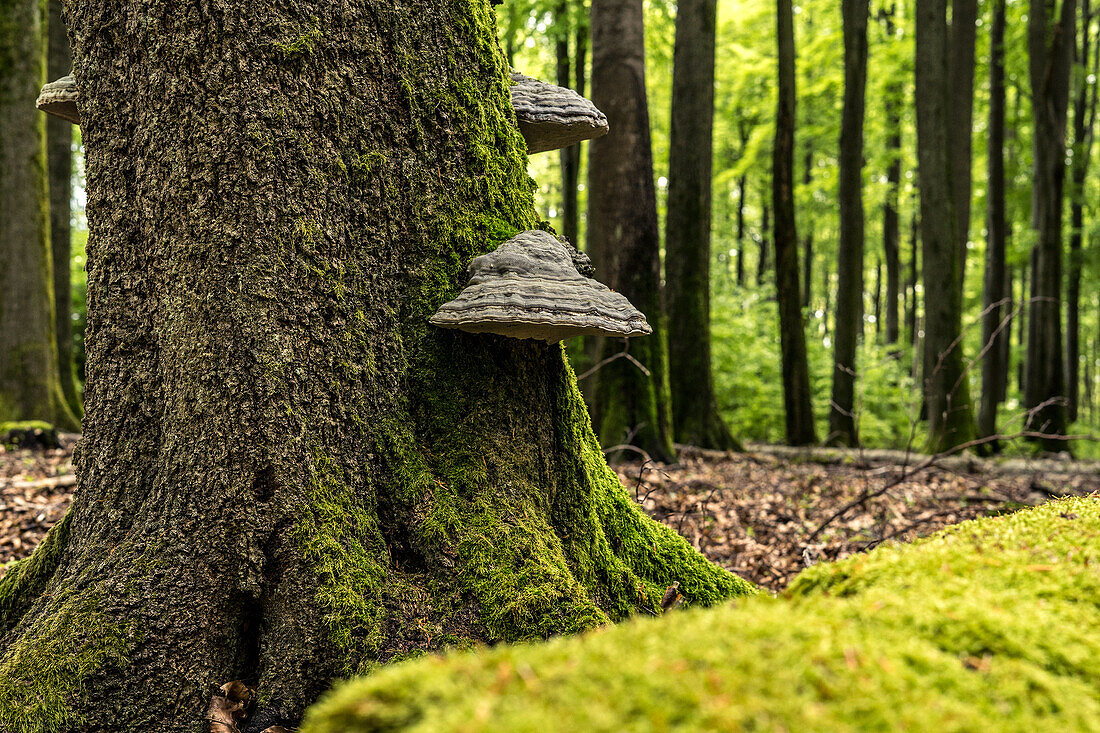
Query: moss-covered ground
[[989, 625]]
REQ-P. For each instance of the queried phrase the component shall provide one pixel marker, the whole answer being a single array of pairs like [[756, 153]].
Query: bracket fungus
[[530, 288], [552, 117], [59, 98]]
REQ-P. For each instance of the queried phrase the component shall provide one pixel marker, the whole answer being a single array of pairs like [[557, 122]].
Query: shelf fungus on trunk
[[552, 117], [530, 288], [59, 98]]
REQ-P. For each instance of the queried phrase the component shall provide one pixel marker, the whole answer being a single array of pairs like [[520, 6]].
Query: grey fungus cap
[[529, 288], [59, 98], [552, 117]]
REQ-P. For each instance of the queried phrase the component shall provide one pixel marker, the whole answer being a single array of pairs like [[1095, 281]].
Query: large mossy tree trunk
[[1051, 34], [695, 416], [849, 300], [59, 153], [30, 387], [946, 392], [631, 403], [287, 476], [797, 399]]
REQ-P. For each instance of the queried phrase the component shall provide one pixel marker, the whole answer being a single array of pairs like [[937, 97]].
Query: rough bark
[[30, 384], [59, 153], [631, 406], [797, 404], [1051, 46], [994, 331], [287, 475], [695, 416], [849, 300], [947, 398]]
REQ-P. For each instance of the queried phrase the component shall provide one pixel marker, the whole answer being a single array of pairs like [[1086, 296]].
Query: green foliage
[[749, 385], [987, 623]]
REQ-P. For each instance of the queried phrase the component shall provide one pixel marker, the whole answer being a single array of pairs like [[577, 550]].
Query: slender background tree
[[688, 228], [631, 402]]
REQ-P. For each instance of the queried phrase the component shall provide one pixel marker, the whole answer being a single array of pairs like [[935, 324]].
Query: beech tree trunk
[[59, 147], [891, 227], [797, 399], [570, 157], [807, 237], [960, 119], [287, 476], [1084, 121], [762, 264], [30, 383], [695, 416], [849, 299], [994, 329], [1051, 47], [741, 190], [947, 395], [631, 405]]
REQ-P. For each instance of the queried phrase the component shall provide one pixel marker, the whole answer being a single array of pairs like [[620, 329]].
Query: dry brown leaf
[[228, 706]]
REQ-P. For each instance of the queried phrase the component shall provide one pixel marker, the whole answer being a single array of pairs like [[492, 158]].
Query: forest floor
[[764, 514]]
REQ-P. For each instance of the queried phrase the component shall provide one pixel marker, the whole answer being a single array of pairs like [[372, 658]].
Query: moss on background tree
[[30, 386], [287, 476]]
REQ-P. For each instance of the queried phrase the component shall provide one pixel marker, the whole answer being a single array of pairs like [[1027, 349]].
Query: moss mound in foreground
[[988, 625]]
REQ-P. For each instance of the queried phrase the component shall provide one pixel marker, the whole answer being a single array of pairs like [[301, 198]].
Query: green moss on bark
[[43, 675], [25, 581]]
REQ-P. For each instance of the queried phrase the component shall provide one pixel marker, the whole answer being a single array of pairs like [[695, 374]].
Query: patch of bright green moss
[[26, 579], [44, 671], [343, 542], [990, 625]]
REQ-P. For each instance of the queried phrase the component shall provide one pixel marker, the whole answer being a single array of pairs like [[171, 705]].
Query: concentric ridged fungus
[[529, 288], [59, 98], [552, 117]]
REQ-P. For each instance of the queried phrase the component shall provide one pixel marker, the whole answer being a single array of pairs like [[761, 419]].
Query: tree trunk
[[569, 157], [695, 416], [59, 153], [849, 298], [994, 330], [797, 403], [741, 182], [287, 476], [808, 236], [914, 278], [947, 397], [1051, 47], [1021, 334], [1084, 119], [631, 406], [30, 384], [960, 118], [765, 233], [891, 229]]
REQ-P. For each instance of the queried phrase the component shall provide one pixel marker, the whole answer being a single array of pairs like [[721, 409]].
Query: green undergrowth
[[987, 625]]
